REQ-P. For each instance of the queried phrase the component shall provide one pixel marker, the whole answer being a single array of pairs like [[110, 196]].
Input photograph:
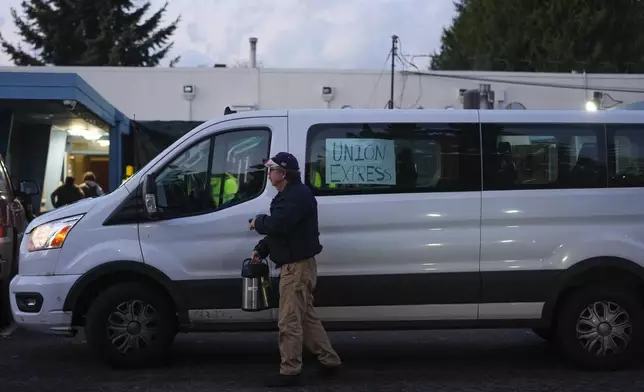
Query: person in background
[[67, 193], [229, 191], [319, 172], [90, 187], [292, 242]]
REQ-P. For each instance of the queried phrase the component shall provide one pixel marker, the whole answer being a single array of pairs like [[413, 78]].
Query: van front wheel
[[601, 327], [131, 325]]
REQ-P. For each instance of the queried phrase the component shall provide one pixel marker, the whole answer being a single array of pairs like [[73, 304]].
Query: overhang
[[59, 93]]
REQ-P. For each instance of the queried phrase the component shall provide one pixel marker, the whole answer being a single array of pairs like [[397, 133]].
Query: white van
[[428, 218]]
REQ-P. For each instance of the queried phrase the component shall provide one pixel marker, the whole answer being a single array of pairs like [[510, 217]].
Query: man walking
[[66, 193], [292, 241]]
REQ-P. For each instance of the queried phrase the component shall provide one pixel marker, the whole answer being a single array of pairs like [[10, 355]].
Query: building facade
[[157, 94]]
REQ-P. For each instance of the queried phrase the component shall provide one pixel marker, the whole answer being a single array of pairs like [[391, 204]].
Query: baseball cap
[[283, 160]]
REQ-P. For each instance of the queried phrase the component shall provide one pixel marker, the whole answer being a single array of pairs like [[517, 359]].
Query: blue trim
[[122, 123], [58, 86], [55, 86], [116, 159]]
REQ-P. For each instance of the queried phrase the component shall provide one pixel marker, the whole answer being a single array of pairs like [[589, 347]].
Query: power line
[[420, 78], [375, 87], [545, 65], [405, 76], [526, 83], [401, 57]]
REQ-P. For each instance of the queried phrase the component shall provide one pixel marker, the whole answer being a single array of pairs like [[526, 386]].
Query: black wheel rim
[[603, 328], [132, 326]]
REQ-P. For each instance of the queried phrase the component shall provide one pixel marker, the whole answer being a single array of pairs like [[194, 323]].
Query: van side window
[[214, 174], [543, 156], [237, 171], [625, 155], [378, 158], [182, 185]]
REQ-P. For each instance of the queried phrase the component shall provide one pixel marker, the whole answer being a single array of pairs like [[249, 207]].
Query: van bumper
[[37, 303]]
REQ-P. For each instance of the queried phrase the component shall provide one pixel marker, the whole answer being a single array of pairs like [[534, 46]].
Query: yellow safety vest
[[230, 188], [318, 181]]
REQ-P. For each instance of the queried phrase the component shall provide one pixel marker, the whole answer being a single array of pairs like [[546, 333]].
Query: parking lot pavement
[[494, 360]]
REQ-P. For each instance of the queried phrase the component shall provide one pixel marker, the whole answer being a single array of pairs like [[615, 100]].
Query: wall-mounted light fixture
[[189, 91], [328, 93], [597, 103]]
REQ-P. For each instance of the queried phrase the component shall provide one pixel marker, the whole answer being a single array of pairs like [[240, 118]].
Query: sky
[[345, 34]]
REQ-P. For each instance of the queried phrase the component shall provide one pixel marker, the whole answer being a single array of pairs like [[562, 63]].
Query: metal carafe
[[255, 286]]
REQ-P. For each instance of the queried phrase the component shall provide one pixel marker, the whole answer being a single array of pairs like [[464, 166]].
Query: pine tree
[[544, 36], [90, 33]]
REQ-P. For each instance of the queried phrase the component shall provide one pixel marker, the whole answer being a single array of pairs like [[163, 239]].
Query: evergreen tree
[[544, 36], [90, 33]]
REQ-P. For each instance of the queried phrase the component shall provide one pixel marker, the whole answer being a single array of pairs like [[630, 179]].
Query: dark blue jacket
[[291, 229]]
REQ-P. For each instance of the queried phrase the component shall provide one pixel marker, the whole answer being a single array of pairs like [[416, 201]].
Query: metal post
[[253, 52], [394, 42]]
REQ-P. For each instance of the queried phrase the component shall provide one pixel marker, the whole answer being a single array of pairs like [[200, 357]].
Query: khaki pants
[[298, 324]]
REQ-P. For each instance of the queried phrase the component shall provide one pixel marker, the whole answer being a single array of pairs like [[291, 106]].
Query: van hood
[[80, 207]]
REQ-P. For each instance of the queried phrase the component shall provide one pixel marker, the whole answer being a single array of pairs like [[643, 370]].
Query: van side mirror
[[29, 188], [150, 196]]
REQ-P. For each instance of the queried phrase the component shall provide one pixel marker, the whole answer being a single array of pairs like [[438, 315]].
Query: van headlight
[[51, 235]]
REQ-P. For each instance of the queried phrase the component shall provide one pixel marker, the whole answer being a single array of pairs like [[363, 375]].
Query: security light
[[591, 106], [189, 91]]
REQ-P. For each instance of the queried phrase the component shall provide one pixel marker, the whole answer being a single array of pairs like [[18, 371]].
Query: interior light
[[103, 142], [93, 135], [77, 130]]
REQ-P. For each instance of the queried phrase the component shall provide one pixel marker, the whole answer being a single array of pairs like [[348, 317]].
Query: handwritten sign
[[360, 161]]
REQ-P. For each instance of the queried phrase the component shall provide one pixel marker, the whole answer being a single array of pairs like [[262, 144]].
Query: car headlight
[[51, 235]]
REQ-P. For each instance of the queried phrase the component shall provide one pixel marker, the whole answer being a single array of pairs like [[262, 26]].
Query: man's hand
[[255, 256]]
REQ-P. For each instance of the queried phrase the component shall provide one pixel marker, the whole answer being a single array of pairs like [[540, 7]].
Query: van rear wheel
[[601, 327], [131, 325]]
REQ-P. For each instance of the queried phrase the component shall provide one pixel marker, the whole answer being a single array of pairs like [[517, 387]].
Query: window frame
[[611, 165], [213, 139], [165, 214], [264, 183], [469, 128], [490, 132]]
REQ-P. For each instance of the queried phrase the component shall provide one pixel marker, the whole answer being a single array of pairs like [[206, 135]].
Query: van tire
[[131, 314], [622, 304]]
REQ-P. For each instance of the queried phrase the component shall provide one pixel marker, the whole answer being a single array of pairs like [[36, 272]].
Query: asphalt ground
[[470, 360]]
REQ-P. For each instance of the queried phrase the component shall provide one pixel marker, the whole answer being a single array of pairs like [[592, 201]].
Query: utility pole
[[394, 43]]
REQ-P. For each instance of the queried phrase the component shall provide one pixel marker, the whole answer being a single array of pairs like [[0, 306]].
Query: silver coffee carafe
[[256, 287]]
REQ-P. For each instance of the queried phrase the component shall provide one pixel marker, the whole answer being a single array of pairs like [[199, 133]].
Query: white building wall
[[156, 93]]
